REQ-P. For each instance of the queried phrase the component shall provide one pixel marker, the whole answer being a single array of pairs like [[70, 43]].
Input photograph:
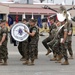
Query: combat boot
[[59, 57], [71, 57], [22, 59], [58, 61], [1, 61], [36, 57], [53, 59], [26, 62], [31, 63], [49, 51], [65, 62], [5, 62]]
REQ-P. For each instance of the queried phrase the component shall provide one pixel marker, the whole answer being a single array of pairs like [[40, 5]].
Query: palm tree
[[42, 1]]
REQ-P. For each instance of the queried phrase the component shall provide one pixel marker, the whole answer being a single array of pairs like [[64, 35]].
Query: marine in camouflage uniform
[[63, 33], [3, 42], [22, 45], [69, 39], [20, 50], [55, 44], [63, 37], [50, 37], [32, 45], [36, 51]]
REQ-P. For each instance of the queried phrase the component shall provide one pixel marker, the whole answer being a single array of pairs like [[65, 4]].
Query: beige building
[[28, 9]]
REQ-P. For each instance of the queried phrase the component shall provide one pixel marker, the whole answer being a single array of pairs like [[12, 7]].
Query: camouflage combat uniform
[[22, 47], [69, 39], [32, 45], [3, 47], [55, 44], [36, 51], [63, 50], [50, 37]]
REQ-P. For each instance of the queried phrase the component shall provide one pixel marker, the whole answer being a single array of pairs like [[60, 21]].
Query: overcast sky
[[68, 2]]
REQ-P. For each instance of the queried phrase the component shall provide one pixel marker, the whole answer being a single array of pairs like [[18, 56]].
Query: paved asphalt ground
[[43, 65]]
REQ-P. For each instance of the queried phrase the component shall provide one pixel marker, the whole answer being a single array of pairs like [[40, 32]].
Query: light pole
[[47, 1], [27, 1], [52, 1], [72, 2], [65, 1]]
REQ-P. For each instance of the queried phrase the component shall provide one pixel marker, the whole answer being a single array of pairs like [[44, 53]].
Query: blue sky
[[68, 2]]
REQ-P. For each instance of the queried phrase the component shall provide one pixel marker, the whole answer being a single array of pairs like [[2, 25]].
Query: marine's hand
[[25, 30], [0, 43]]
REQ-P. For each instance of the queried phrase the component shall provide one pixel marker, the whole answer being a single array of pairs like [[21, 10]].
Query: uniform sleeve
[[70, 26], [70, 29], [65, 28], [34, 30], [54, 26], [5, 30]]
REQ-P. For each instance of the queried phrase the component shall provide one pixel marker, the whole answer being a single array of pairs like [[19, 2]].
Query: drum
[[18, 33]]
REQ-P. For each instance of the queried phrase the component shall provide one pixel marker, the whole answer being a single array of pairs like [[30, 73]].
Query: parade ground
[[43, 65]]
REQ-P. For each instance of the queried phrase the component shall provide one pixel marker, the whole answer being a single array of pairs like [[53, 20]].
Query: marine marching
[[59, 41]]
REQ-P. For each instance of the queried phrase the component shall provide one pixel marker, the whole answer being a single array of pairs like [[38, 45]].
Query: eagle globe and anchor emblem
[[18, 32]]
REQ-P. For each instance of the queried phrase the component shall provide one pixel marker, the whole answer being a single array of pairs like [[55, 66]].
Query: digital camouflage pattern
[[3, 47]]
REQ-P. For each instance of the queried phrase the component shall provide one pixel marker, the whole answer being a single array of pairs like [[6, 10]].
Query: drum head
[[18, 33]]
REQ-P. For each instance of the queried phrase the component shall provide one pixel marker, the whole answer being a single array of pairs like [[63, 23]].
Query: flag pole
[[65, 1], [47, 1], [53, 1], [72, 2], [32, 16]]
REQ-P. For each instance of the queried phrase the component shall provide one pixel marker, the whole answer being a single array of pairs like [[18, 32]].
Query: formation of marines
[[59, 41]]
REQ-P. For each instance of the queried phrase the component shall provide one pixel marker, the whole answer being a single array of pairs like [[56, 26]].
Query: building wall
[[5, 9], [25, 1]]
